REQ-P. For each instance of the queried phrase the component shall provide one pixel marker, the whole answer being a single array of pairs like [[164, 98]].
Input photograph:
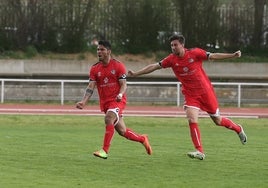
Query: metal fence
[[231, 94]]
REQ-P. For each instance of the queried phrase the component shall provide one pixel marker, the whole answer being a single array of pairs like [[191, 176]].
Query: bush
[[30, 52]]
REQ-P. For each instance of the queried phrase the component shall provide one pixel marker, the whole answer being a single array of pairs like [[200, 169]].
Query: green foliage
[[56, 151], [81, 57], [11, 54], [161, 55], [51, 41], [6, 42], [199, 21], [30, 52], [249, 54], [71, 43], [145, 19], [256, 52], [69, 26]]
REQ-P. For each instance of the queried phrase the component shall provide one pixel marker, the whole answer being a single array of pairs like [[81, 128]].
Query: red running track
[[153, 111]]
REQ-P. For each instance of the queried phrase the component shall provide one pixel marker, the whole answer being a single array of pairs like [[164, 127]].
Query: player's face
[[103, 53], [177, 48]]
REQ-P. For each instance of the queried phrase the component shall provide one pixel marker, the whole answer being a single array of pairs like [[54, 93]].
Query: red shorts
[[206, 102], [112, 105]]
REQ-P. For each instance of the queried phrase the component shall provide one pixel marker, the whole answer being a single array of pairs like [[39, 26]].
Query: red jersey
[[107, 80], [189, 71]]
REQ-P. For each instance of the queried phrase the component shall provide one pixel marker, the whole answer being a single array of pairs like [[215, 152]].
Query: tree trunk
[[258, 22]]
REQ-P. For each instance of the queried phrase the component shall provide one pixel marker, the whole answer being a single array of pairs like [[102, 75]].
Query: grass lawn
[[56, 151]]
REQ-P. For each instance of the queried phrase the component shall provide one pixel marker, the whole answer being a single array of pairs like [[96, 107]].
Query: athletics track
[[153, 111]]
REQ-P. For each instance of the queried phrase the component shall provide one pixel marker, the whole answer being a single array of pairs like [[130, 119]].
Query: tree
[[23, 21], [258, 22], [138, 23], [78, 16], [199, 21]]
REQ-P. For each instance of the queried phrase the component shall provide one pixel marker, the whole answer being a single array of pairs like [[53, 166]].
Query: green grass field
[[56, 151]]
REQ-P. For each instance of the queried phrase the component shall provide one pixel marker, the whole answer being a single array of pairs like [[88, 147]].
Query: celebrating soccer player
[[109, 75], [196, 88]]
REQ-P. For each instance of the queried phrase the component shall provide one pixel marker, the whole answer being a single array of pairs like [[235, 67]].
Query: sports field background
[[56, 151]]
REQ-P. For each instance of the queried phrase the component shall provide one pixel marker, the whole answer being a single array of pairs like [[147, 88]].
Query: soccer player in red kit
[[196, 88], [109, 75]]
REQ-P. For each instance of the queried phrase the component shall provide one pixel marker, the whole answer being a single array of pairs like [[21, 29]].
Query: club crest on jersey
[[106, 80], [99, 74], [113, 71], [191, 60]]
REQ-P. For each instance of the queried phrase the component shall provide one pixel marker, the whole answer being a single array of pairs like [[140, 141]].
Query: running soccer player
[[109, 75], [196, 88]]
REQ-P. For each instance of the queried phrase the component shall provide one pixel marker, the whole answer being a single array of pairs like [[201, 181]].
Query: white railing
[[176, 84], [41, 81]]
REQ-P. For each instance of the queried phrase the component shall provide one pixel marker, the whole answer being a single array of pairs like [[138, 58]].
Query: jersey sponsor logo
[[187, 72], [185, 69]]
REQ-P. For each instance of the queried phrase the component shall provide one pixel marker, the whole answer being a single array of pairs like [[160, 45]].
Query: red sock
[[131, 135], [109, 132], [230, 125], [196, 137]]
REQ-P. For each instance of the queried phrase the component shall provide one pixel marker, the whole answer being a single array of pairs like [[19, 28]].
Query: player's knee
[[217, 124], [217, 121], [192, 120], [121, 133]]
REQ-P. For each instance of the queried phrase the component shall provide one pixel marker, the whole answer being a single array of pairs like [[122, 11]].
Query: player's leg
[[192, 116], [126, 132], [229, 124], [110, 118], [225, 122], [120, 126], [131, 135], [210, 105]]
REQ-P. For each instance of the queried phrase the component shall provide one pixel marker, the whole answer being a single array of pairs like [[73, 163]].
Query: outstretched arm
[[219, 56], [146, 70]]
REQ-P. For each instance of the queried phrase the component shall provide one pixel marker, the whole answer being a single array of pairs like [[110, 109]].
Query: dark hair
[[105, 43], [180, 38]]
